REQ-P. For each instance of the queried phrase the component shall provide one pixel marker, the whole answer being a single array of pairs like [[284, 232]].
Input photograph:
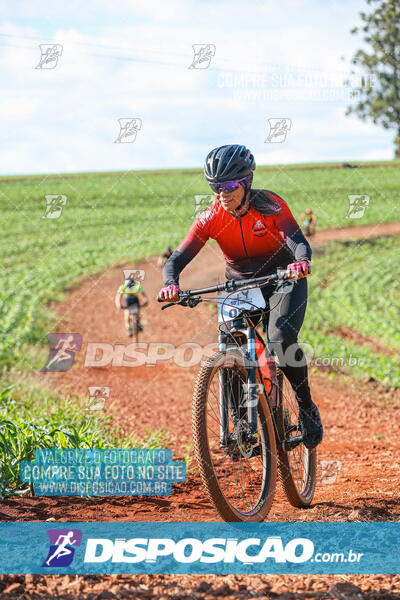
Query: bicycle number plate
[[231, 305]]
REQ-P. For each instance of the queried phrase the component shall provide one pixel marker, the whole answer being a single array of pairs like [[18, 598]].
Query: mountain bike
[[134, 325], [244, 412]]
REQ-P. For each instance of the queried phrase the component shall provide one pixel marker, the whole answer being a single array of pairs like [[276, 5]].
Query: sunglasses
[[226, 186]]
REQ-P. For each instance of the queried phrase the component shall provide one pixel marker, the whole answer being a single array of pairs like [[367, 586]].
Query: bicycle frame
[[252, 397], [241, 324]]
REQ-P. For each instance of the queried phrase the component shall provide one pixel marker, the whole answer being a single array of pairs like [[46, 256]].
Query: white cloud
[[66, 118]]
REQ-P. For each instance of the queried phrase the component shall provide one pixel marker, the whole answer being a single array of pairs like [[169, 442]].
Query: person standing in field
[[308, 220]]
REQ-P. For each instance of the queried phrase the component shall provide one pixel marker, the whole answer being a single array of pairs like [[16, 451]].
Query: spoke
[[297, 457], [249, 471], [241, 483]]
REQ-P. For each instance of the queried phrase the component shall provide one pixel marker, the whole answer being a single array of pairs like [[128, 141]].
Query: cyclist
[[162, 259], [308, 220], [257, 233], [132, 293]]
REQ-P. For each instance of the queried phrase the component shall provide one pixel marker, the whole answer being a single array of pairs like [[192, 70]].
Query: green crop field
[[33, 417], [123, 217], [354, 286], [112, 217]]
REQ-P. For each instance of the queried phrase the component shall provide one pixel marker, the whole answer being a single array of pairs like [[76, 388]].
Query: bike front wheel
[[297, 465], [239, 478]]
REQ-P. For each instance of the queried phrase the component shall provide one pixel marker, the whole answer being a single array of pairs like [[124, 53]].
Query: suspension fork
[[223, 396], [251, 393]]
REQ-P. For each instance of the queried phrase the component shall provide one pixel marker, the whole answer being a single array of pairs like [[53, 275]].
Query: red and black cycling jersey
[[267, 236]]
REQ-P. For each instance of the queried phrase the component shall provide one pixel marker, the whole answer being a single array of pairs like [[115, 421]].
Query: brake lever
[[169, 304], [182, 302], [191, 302]]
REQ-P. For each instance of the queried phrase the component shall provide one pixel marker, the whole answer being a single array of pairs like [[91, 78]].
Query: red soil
[[362, 430]]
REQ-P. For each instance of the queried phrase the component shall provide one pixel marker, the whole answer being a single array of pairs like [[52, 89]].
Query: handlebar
[[190, 297]]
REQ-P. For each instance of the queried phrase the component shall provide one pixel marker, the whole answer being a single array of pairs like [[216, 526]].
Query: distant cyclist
[[307, 221], [133, 296], [162, 259], [257, 233]]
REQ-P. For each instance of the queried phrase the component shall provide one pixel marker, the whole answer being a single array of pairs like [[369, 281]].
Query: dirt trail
[[362, 430], [350, 233]]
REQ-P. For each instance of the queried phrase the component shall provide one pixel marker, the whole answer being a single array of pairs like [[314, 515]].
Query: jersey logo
[[259, 229], [205, 216]]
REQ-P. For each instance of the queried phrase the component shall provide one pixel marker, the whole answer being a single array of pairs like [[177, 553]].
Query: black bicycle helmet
[[232, 161]]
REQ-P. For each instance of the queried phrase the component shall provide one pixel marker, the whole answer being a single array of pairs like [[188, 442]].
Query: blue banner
[[200, 548]]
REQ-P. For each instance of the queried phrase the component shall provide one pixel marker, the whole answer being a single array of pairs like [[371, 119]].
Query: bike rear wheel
[[297, 467], [240, 486], [133, 328]]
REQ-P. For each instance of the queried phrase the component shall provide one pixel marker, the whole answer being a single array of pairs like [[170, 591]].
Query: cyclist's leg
[[286, 315], [138, 323], [287, 312], [126, 317], [127, 314]]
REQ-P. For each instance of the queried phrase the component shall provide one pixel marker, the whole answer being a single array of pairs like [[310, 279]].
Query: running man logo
[[50, 54], [201, 202], [251, 391], [62, 351], [128, 129], [54, 206], [330, 471], [62, 547], [357, 205], [136, 274], [203, 54], [97, 397], [278, 130]]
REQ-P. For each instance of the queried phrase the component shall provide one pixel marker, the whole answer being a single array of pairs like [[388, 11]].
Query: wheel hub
[[243, 438]]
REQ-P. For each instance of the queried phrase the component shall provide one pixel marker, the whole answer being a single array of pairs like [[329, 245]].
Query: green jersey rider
[[134, 297]]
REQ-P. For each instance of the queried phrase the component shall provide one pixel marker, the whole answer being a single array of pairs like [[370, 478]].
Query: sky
[[269, 62]]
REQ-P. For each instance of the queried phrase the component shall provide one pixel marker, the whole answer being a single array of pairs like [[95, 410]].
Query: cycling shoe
[[310, 426]]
